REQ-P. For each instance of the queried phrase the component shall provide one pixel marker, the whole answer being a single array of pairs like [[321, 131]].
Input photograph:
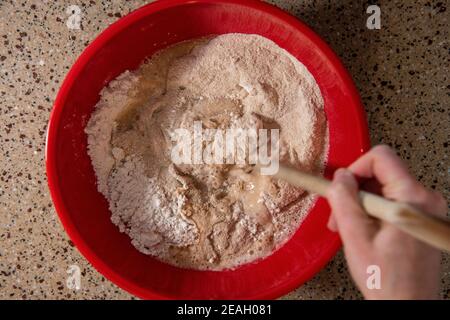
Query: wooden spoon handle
[[431, 229]]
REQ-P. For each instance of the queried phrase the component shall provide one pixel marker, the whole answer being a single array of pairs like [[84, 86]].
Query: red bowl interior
[[124, 45]]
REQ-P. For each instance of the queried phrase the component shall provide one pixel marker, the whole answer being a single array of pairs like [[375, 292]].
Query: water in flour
[[206, 216]]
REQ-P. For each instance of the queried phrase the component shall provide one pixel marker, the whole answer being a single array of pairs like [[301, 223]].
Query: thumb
[[353, 224]]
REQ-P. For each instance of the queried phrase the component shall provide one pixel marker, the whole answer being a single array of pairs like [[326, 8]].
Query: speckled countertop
[[401, 71]]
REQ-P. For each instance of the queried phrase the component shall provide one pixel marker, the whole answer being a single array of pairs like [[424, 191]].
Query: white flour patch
[[206, 216]]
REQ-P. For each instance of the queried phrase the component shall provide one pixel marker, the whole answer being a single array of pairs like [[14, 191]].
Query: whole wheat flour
[[206, 216]]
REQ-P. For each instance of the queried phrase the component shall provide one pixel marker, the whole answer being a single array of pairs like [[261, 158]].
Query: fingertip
[[383, 149], [343, 182], [344, 175], [349, 218], [339, 173], [336, 190]]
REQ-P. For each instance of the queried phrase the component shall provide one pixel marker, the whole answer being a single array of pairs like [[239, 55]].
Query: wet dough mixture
[[206, 216]]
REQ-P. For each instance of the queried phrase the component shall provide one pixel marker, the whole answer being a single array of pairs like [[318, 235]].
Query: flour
[[142, 209], [206, 216], [101, 125]]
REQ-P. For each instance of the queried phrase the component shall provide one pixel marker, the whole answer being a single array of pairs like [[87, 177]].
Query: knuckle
[[432, 201], [439, 201], [418, 192], [413, 187], [383, 149], [407, 190]]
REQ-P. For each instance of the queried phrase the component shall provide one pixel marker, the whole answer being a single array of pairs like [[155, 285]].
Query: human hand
[[409, 268]]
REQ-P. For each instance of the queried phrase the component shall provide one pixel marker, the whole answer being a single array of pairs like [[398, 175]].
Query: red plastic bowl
[[124, 45]]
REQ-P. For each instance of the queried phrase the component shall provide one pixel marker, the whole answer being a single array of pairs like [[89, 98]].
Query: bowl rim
[[78, 67]]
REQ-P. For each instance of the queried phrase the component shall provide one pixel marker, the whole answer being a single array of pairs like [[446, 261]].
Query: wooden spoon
[[428, 228]]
